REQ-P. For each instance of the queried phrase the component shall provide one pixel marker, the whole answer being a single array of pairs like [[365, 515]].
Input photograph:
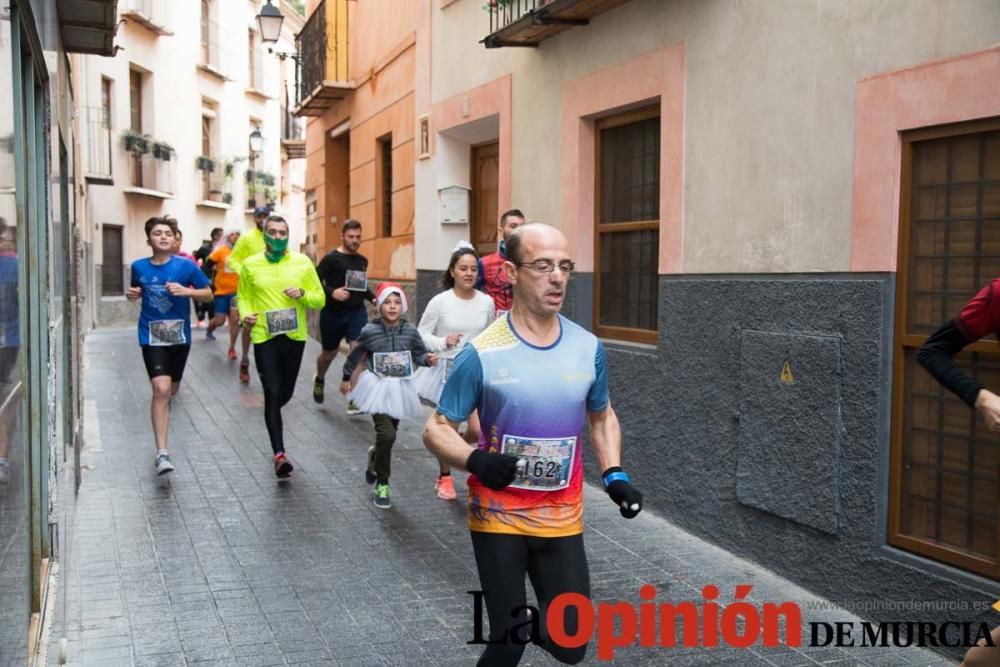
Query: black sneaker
[[282, 466], [370, 470], [318, 390]]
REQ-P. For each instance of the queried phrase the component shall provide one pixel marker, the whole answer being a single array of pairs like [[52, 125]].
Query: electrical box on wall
[[453, 207]]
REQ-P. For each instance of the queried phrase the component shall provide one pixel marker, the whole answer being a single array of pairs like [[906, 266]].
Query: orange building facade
[[357, 65]]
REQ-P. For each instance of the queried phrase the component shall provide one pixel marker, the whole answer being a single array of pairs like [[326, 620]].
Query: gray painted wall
[[697, 432]]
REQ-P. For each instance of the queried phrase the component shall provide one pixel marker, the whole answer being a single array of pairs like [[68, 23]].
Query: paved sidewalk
[[218, 564]]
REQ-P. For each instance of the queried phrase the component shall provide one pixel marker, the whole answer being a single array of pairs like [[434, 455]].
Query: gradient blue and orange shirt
[[533, 403]]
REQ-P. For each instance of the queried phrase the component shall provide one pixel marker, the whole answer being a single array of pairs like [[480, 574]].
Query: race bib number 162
[[544, 464]]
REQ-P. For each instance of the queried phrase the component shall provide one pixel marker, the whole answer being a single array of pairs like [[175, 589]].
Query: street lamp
[[269, 20], [256, 141]]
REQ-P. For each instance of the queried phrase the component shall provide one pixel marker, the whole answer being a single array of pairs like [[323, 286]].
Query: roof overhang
[[88, 26]]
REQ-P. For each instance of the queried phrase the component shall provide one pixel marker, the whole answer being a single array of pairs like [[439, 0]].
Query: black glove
[[494, 470], [627, 497]]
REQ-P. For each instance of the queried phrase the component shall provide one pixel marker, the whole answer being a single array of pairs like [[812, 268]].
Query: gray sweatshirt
[[376, 337]]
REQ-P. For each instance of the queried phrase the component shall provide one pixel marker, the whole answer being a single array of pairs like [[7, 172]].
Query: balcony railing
[[323, 68], [529, 22], [154, 15], [150, 175], [97, 167], [212, 58]]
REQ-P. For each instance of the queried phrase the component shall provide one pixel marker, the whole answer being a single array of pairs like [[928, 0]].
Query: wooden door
[[112, 273], [484, 204]]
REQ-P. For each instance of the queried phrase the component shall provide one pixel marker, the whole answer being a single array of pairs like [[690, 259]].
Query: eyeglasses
[[548, 266]]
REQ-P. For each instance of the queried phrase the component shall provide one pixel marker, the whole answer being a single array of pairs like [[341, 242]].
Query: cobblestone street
[[218, 564]]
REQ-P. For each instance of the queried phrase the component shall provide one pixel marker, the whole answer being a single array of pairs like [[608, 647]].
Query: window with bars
[[627, 229], [945, 486]]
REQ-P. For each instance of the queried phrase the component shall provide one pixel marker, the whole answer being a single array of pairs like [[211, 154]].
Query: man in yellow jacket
[[250, 243], [275, 288]]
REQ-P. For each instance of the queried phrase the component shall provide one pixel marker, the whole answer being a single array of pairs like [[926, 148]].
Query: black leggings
[[554, 564], [278, 361]]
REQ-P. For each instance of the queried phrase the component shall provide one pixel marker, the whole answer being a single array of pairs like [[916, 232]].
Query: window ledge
[[208, 203], [644, 349], [146, 192], [213, 71], [99, 179], [256, 92]]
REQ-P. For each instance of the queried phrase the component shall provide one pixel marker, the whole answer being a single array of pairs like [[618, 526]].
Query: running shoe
[[245, 371], [209, 334], [382, 496], [163, 464], [4, 471], [231, 354], [317, 389], [352, 408], [282, 466], [370, 470], [445, 488]]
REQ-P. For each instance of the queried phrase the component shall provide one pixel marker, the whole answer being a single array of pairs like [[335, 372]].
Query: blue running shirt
[[167, 317]]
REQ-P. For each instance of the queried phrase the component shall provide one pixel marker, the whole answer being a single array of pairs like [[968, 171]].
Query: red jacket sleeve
[[981, 316]]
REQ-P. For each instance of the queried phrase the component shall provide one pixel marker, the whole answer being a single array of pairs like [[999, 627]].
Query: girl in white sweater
[[453, 318]]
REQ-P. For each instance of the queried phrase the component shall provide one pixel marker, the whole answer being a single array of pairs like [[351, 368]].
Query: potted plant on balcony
[[135, 143], [270, 196], [227, 197], [215, 195], [251, 175], [205, 163], [162, 150]]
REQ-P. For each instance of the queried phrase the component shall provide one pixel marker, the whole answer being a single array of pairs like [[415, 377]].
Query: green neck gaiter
[[274, 248]]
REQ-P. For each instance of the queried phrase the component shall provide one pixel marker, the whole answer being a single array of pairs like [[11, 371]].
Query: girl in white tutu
[[452, 319], [392, 348]]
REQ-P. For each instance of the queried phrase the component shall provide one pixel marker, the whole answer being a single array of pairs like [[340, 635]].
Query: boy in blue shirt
[[166, 285]]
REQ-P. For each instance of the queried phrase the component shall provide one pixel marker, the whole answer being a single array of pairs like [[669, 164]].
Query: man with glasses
[[493, 278], [536, 379]]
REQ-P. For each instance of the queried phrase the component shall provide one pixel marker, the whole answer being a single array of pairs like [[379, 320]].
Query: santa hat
[[387, 288]]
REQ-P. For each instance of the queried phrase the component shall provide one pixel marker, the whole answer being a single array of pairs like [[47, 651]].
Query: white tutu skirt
[[387, 396], [429, 381]]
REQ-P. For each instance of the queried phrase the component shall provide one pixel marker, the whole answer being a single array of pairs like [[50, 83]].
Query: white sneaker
[[163, 464]]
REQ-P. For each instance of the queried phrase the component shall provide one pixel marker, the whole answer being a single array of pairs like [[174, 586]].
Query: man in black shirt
[[344, 274]]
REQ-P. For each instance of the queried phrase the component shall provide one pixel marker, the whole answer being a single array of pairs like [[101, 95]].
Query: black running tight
[[554, 564], [278, 361]]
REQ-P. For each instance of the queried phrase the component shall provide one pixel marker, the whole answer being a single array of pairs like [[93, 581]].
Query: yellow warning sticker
[[997, 606], [786, 373]]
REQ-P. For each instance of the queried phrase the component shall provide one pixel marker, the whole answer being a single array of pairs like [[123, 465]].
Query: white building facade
[[167, 127]]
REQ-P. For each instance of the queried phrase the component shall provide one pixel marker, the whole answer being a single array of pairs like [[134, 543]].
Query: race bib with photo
[[167, 332], [544, 464], [393, 364], [356, 281], [282, 321]]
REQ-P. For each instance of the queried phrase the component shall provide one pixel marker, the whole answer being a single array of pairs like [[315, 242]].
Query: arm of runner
[[244, 299], [239, 254], [976, 319], [428, 322], [197, 286], [421, 357], [354, 358], [314, 296]]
